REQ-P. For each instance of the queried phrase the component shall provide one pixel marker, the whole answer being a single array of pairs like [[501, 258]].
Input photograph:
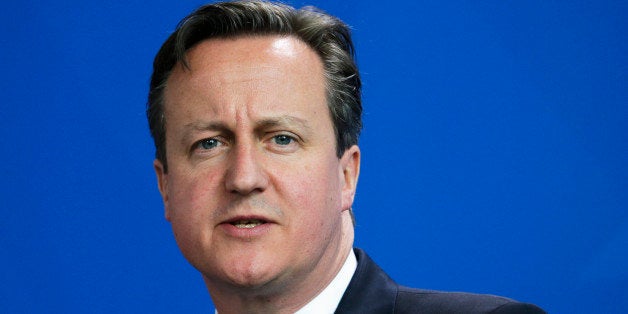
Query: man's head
[[258, 166], [326, 35]]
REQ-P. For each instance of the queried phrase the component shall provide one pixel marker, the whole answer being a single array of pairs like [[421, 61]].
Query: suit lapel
[[370, 289]]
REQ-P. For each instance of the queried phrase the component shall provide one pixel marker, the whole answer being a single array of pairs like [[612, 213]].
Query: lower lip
[[246, 233]]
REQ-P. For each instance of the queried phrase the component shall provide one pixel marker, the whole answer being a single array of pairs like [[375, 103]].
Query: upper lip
[[235, 219]]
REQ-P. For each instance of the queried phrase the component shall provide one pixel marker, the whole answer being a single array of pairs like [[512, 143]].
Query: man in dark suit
[[255, 111]]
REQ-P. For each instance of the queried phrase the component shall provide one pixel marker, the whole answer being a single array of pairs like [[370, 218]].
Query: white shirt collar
[[327, 301]]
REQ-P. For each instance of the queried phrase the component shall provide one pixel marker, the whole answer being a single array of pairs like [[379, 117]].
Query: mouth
[[247, 223], [247, 227]]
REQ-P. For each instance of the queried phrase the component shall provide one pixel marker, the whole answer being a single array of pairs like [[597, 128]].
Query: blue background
[[495, 153]]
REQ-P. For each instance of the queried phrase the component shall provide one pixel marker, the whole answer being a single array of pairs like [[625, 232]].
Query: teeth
[[247, 224]]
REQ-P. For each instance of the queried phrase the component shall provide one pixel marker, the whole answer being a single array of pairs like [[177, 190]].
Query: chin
[[251, 274]]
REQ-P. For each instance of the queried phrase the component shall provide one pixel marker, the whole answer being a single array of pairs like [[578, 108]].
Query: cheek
[[191, 202], [315, 194], [191, 210]]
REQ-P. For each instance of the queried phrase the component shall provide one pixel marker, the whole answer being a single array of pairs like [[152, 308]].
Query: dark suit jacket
[[372, 291]]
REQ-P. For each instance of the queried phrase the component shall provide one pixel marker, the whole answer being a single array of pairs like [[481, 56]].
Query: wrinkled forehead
[[283, 52], [269, 73]]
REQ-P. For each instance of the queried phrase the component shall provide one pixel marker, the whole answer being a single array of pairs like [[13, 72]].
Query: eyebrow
[[281, 121], [191, 128], [286, 120]]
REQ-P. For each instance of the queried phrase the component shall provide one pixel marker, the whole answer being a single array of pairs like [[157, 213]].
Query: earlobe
[[162, 184], [350, 163]]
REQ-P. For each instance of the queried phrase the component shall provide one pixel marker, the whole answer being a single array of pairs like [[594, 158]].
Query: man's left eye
[[283, 140]]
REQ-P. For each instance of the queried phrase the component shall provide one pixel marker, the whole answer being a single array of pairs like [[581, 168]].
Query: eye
[[208, 143], [283, 140], [284, 143]]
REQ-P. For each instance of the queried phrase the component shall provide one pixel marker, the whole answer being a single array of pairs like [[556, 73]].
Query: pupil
[[207, 144], [282, 140]]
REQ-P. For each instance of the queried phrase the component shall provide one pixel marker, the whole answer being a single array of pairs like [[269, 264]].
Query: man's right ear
[[162, 184]]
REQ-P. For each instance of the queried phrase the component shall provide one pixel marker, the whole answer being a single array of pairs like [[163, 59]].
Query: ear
[[162, 184], [350, 166]]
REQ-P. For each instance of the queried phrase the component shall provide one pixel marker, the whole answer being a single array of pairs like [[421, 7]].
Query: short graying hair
[[325, 34]]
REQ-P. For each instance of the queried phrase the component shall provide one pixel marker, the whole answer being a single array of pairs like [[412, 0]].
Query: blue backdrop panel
[[494, 150]]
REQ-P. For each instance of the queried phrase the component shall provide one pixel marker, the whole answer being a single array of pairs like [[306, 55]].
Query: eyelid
[[292, 135], [196, 145], [295, 142]]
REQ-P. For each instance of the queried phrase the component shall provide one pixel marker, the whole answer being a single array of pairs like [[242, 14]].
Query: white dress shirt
[[327, 301]]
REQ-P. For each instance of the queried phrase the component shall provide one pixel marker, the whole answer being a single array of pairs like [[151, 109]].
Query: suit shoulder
[[428, 301]]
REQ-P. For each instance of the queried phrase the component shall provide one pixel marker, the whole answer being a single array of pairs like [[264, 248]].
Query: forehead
[[252, 56], [251, 48], [259, 77]]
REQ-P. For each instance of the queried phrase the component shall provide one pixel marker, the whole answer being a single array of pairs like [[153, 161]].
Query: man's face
[[254, 190]]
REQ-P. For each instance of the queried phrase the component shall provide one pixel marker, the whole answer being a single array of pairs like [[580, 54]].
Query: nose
[[245, 173]]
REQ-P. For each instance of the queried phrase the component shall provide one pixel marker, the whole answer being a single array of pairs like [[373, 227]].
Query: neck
[[286, 296]]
